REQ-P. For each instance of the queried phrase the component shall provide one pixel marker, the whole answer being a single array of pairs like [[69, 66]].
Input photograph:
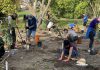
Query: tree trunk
[[43, 13], [43, 10]]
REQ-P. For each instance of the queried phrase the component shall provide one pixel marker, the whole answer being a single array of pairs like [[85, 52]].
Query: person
[[50, 25], [85, 20], [12, 21], [31, 26], [2, 50], [9, 19], [69, 46], [91, 32], [68, 51], [47, 17], [13, 35]]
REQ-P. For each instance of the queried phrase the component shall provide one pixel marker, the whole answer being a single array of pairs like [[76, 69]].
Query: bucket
[[39, 44], [36, 39]]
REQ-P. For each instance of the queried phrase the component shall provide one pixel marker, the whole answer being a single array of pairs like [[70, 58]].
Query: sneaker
[[93, 52], [88, 50]]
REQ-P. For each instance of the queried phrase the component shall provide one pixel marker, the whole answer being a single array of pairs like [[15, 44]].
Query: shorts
[[31, 33]]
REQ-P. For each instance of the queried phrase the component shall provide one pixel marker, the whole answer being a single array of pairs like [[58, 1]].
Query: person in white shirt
[[49, 26]]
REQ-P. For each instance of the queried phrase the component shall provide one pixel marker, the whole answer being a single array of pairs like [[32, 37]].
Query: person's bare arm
[[70, 53], [62, 54]]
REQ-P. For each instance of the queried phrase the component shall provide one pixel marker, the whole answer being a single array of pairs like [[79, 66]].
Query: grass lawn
[[22, 13]]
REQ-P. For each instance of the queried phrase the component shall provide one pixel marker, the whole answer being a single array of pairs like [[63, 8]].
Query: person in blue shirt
[[85, 20], [31, 26], [91, 32]]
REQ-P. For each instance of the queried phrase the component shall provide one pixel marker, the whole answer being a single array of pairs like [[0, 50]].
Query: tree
[[81, 8], [95, 7], [7, 6], [38, 8], [64, 8], [75, 8]]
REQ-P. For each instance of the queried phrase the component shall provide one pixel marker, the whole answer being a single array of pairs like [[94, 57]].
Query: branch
[[42, 14], [29, 6], [49, 1], [92, 8], [34, 7]]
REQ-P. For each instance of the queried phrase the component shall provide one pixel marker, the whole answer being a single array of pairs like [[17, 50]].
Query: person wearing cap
[[91, 32], [69, 46], [85, 20], [31, 26]]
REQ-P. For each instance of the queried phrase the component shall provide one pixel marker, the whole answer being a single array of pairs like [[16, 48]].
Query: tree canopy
[[75, 8], [7, 6], [60, 8]]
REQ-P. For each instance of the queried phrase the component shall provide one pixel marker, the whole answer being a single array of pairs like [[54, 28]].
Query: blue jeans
[[91, 37], [31, 33]]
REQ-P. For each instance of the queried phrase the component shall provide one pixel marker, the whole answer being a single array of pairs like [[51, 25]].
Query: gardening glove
[[27, 27]]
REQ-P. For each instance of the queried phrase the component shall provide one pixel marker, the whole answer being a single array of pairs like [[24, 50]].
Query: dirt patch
[[46, 59]]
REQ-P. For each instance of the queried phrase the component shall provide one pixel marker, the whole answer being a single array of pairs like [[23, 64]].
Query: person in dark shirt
[[2, 50], [13, 35], [31, 26], [91, 32], [68, 51], [13, 21]]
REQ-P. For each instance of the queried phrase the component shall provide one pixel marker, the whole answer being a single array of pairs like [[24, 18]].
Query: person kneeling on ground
[[68, 51], [2, 50], [69, 46]]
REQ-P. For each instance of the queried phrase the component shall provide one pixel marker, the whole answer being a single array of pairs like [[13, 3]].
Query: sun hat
[[81, 62]]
